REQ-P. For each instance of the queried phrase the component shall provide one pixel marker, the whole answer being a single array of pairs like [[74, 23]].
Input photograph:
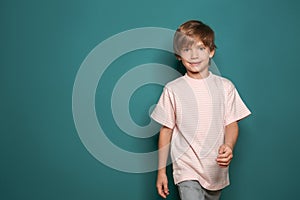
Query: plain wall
[[43, 44]]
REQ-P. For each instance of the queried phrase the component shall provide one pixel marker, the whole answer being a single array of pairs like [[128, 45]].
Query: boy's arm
[[164, 140], [226, 150]]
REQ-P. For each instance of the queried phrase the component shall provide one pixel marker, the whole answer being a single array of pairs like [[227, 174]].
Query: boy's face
[[196, 57]]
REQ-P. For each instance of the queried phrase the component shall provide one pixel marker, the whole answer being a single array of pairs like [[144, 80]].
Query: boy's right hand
[[162, 185]]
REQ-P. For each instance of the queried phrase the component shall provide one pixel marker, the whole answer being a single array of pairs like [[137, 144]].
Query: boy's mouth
[[194, 64]]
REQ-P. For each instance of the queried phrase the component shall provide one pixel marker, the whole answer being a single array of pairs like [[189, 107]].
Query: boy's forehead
[[189, 41]]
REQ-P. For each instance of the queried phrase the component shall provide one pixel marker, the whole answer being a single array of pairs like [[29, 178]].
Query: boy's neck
[[198, 75]]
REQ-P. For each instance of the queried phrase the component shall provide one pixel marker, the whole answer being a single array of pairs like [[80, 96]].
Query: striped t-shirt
[[198, 110]]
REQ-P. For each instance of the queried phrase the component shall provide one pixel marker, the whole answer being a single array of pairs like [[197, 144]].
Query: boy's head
[[194, 46], [191, 32]]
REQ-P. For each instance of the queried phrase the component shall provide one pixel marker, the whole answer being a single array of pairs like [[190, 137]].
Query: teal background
[[43, 44]]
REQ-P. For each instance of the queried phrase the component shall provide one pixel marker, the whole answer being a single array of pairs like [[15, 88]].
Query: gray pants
[[192, 190]]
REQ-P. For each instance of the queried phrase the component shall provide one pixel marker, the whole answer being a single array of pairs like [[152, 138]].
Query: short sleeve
[[164, 112], [235, 109]]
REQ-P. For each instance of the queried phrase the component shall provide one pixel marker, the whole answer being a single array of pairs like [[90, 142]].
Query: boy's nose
[[194, 53]]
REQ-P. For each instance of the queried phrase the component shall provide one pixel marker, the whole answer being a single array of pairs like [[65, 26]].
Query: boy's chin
[[197, 71], [194, 72]]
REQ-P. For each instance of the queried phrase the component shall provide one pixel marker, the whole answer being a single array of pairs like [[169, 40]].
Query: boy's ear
[[212, 53]]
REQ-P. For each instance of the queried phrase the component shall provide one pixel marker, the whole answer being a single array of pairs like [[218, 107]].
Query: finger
[[161, 192], [223, 158], [223, 161], [223, 165], [166, 189], [225, 155], [159, 188], [226, 152], [222, 149]]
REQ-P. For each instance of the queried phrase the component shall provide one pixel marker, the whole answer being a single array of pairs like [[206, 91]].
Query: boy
[[198, 113]]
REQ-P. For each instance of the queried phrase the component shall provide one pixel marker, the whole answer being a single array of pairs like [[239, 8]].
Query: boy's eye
[[201, 48], [186, 49]]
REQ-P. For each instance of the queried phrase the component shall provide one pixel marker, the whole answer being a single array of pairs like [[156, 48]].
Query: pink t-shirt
[[198, 110]]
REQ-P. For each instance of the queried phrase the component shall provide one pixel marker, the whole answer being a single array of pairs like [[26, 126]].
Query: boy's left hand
[[225, 155]]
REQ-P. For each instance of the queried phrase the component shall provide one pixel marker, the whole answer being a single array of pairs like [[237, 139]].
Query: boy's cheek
[[184, 56]]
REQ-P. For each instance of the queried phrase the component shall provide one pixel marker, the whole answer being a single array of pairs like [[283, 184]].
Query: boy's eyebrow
[[190, 46], [197, 44]]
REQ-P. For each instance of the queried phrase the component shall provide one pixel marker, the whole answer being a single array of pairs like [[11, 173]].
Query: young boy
[[199, 113]]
